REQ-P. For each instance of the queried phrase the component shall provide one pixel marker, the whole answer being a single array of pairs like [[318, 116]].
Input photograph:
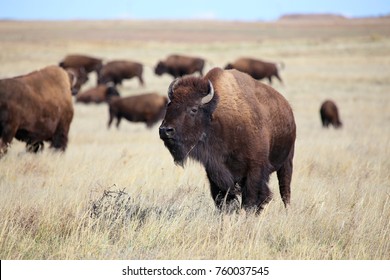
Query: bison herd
[[241, 130]]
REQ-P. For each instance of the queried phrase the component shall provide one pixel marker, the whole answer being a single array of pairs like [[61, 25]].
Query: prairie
[[116, 193]]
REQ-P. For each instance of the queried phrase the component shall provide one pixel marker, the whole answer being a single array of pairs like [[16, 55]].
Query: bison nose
[[166, 132]]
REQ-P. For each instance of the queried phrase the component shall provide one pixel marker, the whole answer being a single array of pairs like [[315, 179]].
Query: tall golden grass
[[116, 194]]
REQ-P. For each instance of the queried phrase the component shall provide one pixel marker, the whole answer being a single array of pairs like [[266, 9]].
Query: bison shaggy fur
[[240, 129], [36, 107], [330, 114], [148, 108], [179, 65], [256, 68]]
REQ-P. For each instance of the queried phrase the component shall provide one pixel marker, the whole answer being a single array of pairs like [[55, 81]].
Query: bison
[[118, 70], [178, 66], [36, 107], [240, 129], [99, 94], [329, 114], [148, 108], [88, 63], [256, 68]]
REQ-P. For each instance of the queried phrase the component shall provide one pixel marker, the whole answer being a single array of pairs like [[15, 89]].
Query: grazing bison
[[256, 68], [118, 70], [99, 94], [89, 63], [178, 66], [329, 114], [36, 107], [240, 129], [148, 108]]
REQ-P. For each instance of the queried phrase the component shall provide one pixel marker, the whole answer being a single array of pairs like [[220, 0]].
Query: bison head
[[160, 68], [188, 116], [78, 77]]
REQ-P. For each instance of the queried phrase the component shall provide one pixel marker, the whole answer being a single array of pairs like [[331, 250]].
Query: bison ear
[[171, 88], [209, 95]]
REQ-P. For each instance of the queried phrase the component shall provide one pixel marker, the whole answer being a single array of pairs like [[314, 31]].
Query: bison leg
[[278, 77], [223, 199], [118, 121], [141, 81], [7, 134], [255, 191], [34, 147], [284, 177], [110, 120], [60, 138]]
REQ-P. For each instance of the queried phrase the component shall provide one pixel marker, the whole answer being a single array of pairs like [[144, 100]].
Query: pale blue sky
[[246, 10]]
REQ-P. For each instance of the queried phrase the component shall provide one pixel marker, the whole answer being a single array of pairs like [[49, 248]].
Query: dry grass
[[116, 194]]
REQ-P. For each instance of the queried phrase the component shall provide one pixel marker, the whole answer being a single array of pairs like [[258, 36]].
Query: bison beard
[[241, 133]]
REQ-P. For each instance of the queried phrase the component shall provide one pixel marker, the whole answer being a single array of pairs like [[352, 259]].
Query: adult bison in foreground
[[88, 63], [179, 65], [99, 94], [330, 114], [118, 70], [148, 108], [36, 107], [240, 129], [256, 68]]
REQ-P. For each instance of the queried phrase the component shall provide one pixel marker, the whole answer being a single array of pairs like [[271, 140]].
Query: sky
[[241, 10]]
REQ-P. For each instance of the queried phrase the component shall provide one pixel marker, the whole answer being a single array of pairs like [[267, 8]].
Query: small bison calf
[[148, 108], [329, 114]]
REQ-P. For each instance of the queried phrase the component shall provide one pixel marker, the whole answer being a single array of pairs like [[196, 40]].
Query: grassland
[[116, 194]]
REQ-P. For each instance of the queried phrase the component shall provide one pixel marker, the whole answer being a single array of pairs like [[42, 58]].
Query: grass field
[[116, 194]]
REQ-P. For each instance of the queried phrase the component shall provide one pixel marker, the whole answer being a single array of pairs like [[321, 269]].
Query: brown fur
[[179, 65], [88, 63], [36, 107], [329, 114], [148, 108], [256, 68], [80, 76], [246, 132], [99, 94], [118, 70]]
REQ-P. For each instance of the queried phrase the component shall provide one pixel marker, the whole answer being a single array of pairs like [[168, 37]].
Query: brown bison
[[81, 77], [36, 107], [256, 68], [99, 94], [178, 66], [148, 108], [240, 129], [118, 70], [329, 114], [88, 63]]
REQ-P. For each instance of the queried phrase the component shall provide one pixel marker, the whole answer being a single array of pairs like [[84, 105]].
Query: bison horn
[[171, 88], [209, 96]]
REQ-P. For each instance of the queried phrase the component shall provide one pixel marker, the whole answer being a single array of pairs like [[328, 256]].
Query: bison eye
[[194, 110]]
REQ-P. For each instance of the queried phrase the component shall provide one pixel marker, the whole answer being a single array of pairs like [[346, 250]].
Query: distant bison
[[148, 108], [241, 130], [329, 114], [99, 94], [179, 65], [118, 70], [89, 63], [256, 68], [36, 107]]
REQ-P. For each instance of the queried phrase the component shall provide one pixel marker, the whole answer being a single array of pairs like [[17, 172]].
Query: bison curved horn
[[171, 88], [210, 95]]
